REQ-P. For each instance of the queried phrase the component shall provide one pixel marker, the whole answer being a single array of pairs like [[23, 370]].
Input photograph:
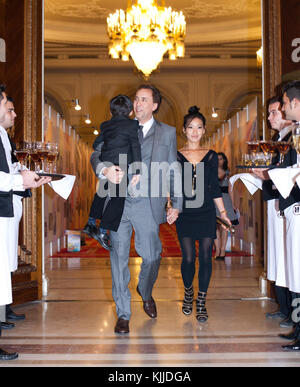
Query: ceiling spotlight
[[77, 106], [88, 120], [95, 132], [214, 113]]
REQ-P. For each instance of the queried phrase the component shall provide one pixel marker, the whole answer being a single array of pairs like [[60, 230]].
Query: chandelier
[[146, 32]]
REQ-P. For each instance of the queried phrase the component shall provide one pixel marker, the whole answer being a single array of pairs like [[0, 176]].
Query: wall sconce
[[259, 57], [77, 106], [88, 120]]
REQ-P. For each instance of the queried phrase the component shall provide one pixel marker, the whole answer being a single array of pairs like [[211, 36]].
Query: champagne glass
[[52, 155], [296, 143], [273, 147], [21, 153], [283, 147], [259, 159], [35, 155], [266, 147], [29, 149], [253, 148], [55, 151], [246, 160], [42, 151]]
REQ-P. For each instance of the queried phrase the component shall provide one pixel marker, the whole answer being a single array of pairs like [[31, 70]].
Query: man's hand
[[32, 180], [114, 174], [172, 215], [261, 173], [135, 179]]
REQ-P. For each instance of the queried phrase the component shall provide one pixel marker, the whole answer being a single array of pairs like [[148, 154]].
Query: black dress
[[201, 222]]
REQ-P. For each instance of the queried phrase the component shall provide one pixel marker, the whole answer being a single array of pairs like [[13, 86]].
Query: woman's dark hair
[[225, 163], [121, 105], [193, 112]]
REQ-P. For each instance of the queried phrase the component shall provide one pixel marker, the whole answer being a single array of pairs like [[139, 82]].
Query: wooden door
[[21, 28]]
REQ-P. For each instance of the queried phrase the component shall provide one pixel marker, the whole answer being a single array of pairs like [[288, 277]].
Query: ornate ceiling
[[207, 21], [222, 35], [194, 10]]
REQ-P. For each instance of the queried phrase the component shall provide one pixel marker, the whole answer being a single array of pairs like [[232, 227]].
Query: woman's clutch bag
[[226, 225]]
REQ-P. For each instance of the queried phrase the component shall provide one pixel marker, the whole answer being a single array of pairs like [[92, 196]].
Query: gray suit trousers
[[137, 215]]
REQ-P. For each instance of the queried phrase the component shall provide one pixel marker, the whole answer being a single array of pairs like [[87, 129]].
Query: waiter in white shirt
[[14, 167], [291, 208], [9, 182], [276, 255]]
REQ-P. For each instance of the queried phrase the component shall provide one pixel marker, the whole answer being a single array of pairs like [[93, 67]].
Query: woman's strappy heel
[[187, 305], [201, 312]]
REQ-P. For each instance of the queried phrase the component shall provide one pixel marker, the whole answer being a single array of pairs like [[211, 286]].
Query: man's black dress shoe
[[275, 315], [293, 335], [122, 326], [289, 336], [293, 347], [90, 230], [7, 356], [11, 315], [149, 306], [103, 239], [286, 323], [7, 325]]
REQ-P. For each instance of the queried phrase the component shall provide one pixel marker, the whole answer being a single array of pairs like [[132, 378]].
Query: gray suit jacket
[[164, 151]]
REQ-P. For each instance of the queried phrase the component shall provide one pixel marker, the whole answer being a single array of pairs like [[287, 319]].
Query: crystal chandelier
[[146, 32]]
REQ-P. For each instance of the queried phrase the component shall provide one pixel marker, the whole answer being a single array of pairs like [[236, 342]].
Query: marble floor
[[74, 324]]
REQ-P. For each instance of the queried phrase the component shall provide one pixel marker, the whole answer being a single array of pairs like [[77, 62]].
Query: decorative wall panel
[[74, 159]]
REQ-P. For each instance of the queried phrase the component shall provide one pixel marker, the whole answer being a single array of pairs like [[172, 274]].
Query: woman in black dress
[[198, 223]]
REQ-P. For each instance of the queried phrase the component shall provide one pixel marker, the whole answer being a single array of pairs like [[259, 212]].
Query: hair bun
[[194, 110]]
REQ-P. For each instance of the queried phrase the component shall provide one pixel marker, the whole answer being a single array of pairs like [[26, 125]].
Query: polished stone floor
[[74, 325]]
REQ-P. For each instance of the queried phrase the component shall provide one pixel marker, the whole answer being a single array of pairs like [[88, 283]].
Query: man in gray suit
[[143, 213]]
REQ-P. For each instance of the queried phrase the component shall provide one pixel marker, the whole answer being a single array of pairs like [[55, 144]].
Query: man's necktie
[[141, 134]]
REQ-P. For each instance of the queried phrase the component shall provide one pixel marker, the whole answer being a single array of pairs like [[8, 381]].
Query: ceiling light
[[88, 120], [214, 113], [146, 31], [77, 106], [95, 132]]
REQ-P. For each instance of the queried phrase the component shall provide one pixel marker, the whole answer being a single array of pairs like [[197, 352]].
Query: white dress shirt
[[147, 126], [12, 180], [285, 131]]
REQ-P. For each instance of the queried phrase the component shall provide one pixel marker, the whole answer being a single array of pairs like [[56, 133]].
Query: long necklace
[[194, 180], [194, 171]]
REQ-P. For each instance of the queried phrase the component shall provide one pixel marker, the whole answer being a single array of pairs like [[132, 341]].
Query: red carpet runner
[[168, 235]]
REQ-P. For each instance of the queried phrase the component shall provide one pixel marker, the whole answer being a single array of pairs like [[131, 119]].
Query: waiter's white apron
[[276, 267], [292, 215], [5, 277], [14, 232]]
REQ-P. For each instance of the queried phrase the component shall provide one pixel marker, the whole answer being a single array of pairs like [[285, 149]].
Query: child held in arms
[[119, 136]]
